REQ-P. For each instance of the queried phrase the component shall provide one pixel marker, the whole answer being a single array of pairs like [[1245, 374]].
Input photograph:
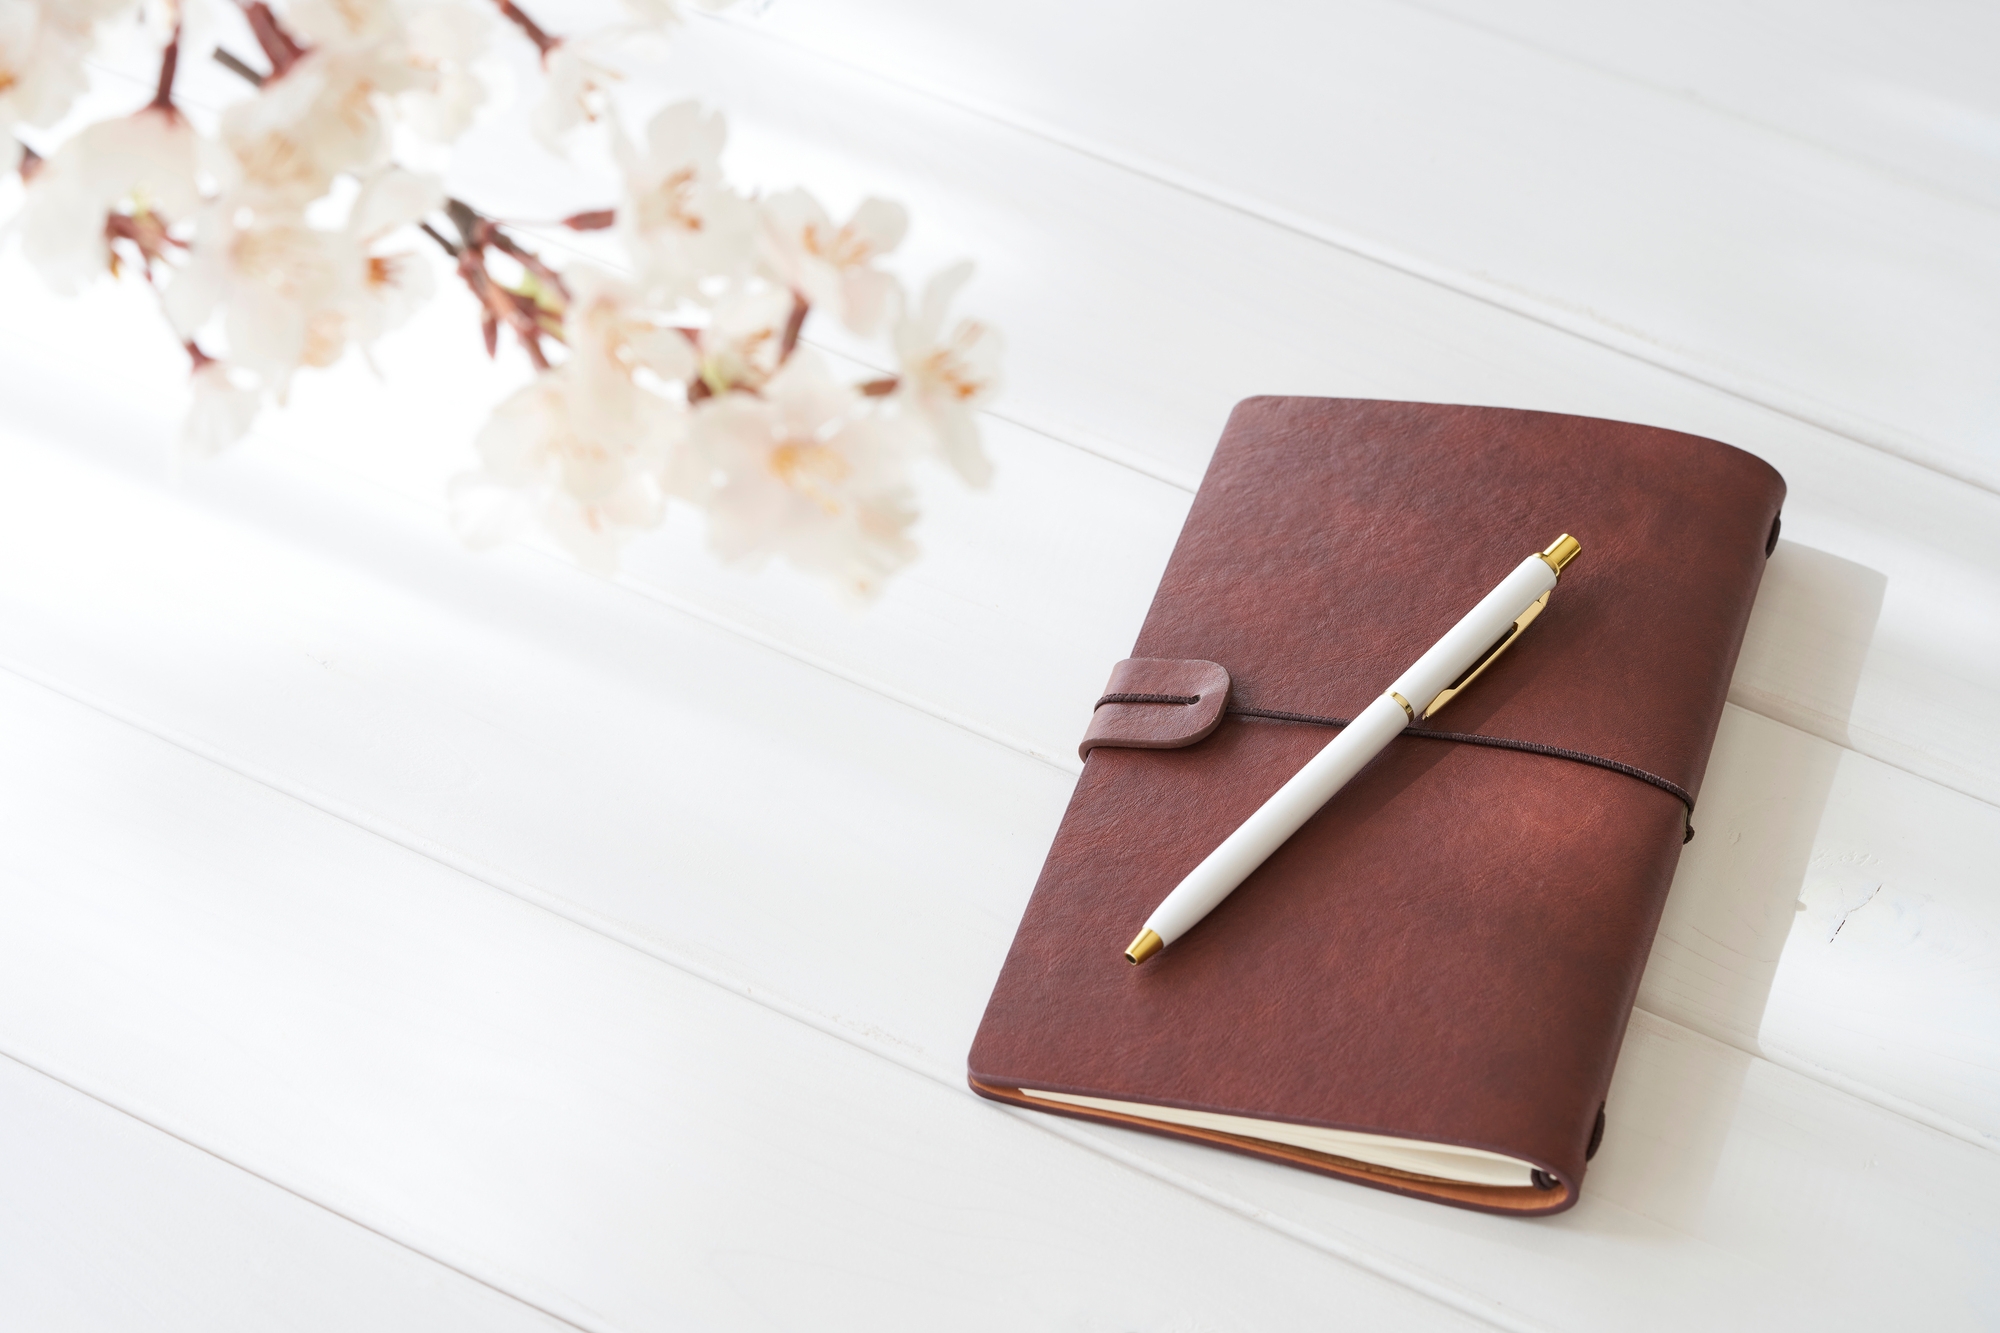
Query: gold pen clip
[[1521, 622], [1561, 551]]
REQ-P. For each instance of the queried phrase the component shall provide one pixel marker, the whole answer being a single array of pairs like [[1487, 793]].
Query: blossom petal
[[390, 199]]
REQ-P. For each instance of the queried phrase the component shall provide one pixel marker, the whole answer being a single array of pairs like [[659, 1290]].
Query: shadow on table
[[1808, 640], [1737, 890]]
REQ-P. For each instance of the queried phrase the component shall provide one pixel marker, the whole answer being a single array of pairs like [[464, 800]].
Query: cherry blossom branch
[[279, 48], [485, 231], [737, 395], [498, 305], [789, 343], [535, 32], [445, 243], [146, 232], [518, 311], [229, 61], [170, 59]]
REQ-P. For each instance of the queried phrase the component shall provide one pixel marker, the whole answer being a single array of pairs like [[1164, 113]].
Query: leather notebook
[[1426, 987]]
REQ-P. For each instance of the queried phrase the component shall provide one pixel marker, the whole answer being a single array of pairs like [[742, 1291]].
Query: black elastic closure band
[[1673, 789]]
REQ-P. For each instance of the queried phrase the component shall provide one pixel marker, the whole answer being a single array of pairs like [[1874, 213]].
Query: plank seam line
[[610, 928], [1877, 1097], [1689, 98], [1896, 764], [633, 586], [1746, 387], [893, 693], [1082, 1136], [500, 882], [82, 1089]]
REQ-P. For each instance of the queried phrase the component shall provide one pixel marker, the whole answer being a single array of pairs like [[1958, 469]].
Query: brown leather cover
[[1449, 950]]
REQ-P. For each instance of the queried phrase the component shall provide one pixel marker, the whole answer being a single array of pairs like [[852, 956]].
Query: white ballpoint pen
[[1450, 665]]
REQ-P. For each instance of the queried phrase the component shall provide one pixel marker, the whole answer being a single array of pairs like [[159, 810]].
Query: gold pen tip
[[1561, 551], [1144, 947]]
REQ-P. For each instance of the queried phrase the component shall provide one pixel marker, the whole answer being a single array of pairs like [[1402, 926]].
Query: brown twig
[[597, 219], [517, 312], [170, 59], [498, 305], [196, 355], [485, 231], [792, 327], [279, 48], [881, 388], [146, 232], [445, 243], [536, 34], [237, 67]]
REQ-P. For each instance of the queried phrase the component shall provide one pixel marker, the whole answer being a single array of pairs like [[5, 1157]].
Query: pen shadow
[[1737, 890]]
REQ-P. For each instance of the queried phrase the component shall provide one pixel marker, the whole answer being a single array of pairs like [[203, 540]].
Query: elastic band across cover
[[1159, 703]]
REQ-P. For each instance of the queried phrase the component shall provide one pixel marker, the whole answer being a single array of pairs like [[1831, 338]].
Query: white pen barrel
[[1278, 818], [1477, 630]]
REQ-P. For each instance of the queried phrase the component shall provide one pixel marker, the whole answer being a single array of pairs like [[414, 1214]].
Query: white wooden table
[[397, 938]]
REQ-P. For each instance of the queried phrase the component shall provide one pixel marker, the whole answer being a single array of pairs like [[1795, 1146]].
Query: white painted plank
[[1906, 87], [1718, 1200], [626, 1145], [107, 1224], [575, 1123], [1681, 235], [1838, 915]]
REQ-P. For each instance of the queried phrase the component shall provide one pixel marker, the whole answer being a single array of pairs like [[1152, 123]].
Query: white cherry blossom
[[321, 118], [684, 381], [389, 283], [833, 267], [656, 13], [291, 294], [612, 336], [421, 52], [806, 471], [279, 286], [679, 218], [742, 344], [142, 167], [577, 76], [43, 44], [947, 376], [591, 473], [220, 414], [448, 40]]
